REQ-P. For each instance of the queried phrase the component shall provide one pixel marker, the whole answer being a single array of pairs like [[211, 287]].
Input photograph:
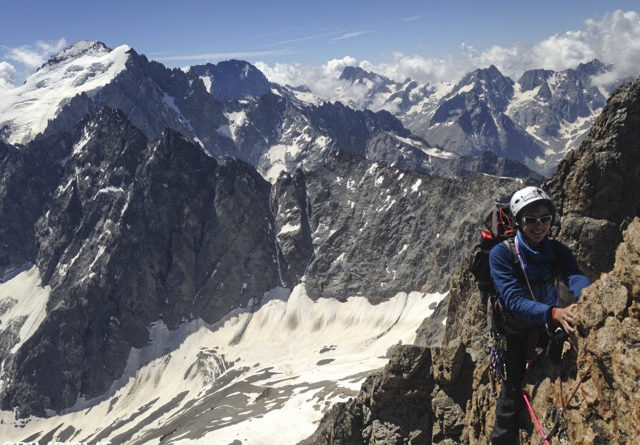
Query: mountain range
[[535, 120], [201, 255], [231, 109]]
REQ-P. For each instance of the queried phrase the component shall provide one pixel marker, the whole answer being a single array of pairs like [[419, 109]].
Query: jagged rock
[[353, 204], [606, 408], [595, 186], [391, 408], [473, 119], [137, 231], [27, 179], [292, 208]]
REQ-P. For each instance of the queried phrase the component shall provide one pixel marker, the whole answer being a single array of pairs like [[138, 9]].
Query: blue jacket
[[512, 288]]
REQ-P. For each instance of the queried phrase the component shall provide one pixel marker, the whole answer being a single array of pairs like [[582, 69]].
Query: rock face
[[607, 404], [604, 367], [27, 178], [376, 230], [206, 231], [595, 186], [391, 408]]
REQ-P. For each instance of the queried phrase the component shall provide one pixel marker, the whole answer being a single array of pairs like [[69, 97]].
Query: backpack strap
[[516, 258]]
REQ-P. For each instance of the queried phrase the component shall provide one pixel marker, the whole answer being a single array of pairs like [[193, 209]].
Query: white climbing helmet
[[528, 195]]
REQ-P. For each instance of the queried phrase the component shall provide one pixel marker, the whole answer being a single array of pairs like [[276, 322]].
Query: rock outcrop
[[596, 186], [136, 231], [27, 179], [392, 407], [606, 408]]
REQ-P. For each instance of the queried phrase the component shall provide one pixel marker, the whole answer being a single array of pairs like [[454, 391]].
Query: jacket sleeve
[[513, 293], [570, 272]]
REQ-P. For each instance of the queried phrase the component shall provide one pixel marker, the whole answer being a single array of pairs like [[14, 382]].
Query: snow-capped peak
[[81, 47], [84, 67]]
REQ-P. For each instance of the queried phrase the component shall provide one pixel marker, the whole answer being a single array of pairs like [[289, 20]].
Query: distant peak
[[233, 79], [353, 73], [593, 67], [78, 49]]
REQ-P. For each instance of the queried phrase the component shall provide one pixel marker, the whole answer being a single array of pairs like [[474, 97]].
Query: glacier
[[242, 379]]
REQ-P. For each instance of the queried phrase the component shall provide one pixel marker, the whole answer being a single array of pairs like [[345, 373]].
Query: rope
[[535, 418]]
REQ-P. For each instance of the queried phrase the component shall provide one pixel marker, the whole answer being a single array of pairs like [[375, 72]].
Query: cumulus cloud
[[7, 76], [422, 69], [323, 80], [613, 39]]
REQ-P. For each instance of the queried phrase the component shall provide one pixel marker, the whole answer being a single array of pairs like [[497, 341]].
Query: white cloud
[[614, 39], [422, 69], [7, 76], [334, 67], [323, 80], [350, 35], [32, 57]]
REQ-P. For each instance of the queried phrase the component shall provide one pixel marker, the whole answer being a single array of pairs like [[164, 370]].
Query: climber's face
[[536, 223]]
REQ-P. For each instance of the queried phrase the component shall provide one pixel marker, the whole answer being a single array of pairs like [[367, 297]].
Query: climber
[[525, 273]]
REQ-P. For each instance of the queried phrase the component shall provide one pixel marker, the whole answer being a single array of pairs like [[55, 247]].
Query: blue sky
[[294, 33]]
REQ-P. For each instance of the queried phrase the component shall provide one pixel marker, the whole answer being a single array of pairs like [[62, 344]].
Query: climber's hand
[[565, 317]]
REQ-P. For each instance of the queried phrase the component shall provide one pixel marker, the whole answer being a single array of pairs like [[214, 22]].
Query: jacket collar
[[545, 252]]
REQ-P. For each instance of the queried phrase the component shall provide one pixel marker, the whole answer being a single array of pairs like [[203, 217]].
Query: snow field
[[310, 354], [23, 297]]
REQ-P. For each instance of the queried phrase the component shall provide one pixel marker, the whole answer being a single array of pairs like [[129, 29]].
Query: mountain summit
[[232, 79], [79, 48]]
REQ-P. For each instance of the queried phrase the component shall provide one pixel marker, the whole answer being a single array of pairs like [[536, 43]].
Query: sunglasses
[[544, 219]]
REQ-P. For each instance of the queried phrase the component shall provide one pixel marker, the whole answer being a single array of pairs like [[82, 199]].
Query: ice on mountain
[[207, 83], [289, 228], [23, 300], [79, 48], [82, 68], [236, 120]]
